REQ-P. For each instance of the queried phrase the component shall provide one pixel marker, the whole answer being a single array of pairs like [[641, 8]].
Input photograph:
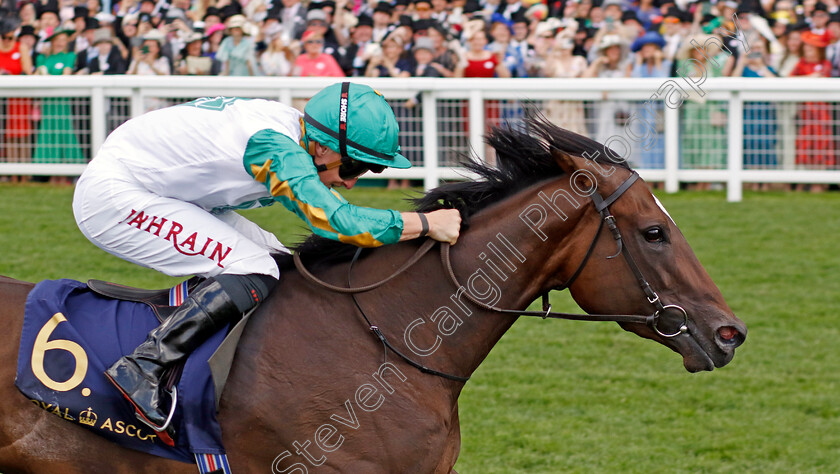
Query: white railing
[[466, 101]]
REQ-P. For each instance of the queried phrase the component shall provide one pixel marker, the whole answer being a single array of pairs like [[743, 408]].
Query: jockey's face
[[324, 156]]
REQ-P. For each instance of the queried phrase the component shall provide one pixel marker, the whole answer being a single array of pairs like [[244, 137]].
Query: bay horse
[[313, 386]]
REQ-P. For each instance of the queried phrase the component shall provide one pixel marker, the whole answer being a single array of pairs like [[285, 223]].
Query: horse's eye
[[655, 234]]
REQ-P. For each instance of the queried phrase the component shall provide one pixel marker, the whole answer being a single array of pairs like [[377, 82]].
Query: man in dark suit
[[352, 58]]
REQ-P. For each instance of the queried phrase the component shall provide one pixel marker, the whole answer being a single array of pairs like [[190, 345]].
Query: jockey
[[163, 190]]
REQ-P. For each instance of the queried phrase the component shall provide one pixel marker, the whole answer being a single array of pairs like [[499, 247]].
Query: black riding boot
[[139, 376]]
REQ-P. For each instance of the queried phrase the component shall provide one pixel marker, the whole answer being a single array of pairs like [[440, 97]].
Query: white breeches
[[178, 238]]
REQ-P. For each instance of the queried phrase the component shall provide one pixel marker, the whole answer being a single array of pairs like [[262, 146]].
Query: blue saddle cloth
[[71, 336]]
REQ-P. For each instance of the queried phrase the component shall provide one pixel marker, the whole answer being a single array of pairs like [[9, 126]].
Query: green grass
[[558, 396]]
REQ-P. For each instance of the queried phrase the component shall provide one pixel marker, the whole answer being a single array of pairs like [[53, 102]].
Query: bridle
[[602, 206]]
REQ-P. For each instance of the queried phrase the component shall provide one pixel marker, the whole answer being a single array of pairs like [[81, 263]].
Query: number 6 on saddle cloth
[[72, 333]]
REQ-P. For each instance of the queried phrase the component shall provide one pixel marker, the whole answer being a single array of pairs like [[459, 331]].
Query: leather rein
[[601, 205]]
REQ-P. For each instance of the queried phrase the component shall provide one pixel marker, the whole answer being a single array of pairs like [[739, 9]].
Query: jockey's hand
[[444, 225]]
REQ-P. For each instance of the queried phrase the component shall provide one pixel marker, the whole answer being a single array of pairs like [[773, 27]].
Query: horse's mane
[[523, 158]]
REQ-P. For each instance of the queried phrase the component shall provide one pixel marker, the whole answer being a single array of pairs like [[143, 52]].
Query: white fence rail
[[730, 130]]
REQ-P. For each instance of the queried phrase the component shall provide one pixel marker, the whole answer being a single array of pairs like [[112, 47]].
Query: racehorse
[[368, 381]]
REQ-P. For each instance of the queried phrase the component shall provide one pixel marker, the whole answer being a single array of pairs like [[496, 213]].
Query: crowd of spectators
[[445, 38], [432, 38]]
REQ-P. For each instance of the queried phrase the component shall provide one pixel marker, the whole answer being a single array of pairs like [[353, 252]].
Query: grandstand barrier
[[723, 130]]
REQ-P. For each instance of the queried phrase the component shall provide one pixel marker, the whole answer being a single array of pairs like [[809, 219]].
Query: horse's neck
[[501, 261]]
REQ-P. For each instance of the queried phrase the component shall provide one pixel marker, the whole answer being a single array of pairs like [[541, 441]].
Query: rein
[[601, 205]]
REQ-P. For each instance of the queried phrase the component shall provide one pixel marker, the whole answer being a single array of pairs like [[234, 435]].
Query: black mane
[[523, 158]]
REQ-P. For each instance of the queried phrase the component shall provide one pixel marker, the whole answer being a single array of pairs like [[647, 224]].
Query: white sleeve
[[253, 232]]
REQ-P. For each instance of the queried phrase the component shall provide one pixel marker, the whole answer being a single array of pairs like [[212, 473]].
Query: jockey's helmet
[[357, 122]]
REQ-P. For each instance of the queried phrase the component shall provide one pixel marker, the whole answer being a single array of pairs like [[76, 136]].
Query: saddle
[[96, 323], [161, 301]]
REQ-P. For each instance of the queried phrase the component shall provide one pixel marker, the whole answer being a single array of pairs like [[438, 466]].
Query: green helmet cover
[[372, 129]]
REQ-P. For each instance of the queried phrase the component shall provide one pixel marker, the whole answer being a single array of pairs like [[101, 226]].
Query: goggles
[[355, 168], [351, 169]]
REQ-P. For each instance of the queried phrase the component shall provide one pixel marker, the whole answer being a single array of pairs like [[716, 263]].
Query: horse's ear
[[564, 161]]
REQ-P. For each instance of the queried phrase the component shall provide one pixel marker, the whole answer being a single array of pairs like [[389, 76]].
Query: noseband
[[602, 206]]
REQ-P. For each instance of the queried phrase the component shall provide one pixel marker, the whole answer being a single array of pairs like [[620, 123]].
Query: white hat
[[236, 21], [550, 25], [611, 40], [155, 35]]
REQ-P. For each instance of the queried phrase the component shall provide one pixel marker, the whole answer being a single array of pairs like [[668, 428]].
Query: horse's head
[[608, 283]]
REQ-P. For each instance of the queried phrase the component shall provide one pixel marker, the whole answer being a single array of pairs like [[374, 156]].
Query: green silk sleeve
[[289, 174]]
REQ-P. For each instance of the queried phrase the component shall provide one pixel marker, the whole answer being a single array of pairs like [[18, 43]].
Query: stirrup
[[174, 395], [164, 432]]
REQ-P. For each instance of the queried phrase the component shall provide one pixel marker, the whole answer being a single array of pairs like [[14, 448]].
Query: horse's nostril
[[729, 337], [727, 333]]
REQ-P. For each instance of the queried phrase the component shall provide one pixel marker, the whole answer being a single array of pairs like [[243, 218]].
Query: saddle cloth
[[71, 335]]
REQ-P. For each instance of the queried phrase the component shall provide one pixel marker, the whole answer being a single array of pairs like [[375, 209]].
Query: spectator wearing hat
[[423, 54], [703, 140], [445, 59], [278, 58], [520, 27], [814, 139], [611, 60], [401, 8], [213, 37], [632, 25], [562, 63], [237, 52], [611, 11], [382, 21], [389, 63], [501, 35], [543, 42], [58, 60], [212, 16], [126, 28], [818, 19], [521, 34], [672, 33], [83, 44], [422, 10], [148, 59], [353, 60], [48, 22], [192, 61], [80, 15], [109, 60], [16, 59], [478, 61], [314, 61], [56, 141], [650, 61], [28, 39], [318, 20]]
